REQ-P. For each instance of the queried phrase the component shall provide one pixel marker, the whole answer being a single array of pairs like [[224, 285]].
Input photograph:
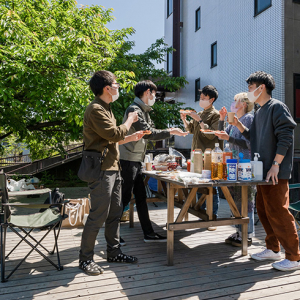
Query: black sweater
[[271, 133]]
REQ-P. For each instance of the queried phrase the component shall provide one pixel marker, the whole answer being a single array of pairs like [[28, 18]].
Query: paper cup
[[231, 117], [148, 166]]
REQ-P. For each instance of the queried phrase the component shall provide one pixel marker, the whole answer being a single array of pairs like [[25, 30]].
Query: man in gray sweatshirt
[[272, 136]]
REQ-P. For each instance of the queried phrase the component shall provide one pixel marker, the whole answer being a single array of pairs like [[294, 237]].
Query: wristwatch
[[200, 121], [275, 163]]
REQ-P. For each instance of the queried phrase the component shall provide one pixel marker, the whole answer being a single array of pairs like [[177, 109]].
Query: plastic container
[[217, 163], [207, 159], [244, 169], [188, 165], [257, 168], [198, 161], [231, 169], [192, 160], [227, 153]]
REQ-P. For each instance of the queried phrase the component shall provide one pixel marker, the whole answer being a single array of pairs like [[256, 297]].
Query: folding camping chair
[[23, 226]]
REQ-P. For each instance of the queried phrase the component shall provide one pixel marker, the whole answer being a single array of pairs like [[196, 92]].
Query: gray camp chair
[[23, 226]]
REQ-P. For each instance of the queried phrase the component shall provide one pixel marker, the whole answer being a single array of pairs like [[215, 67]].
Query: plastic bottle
[[257, 168], [227, 154], [198, 161], [244, 169], [217, 163]]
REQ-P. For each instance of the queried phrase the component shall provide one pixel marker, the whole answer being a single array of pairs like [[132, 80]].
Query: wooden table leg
[[209, 203], [244, 213], [170, 233]]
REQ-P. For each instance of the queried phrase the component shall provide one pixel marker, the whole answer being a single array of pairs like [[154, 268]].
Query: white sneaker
[[286, 265], [266, 255]]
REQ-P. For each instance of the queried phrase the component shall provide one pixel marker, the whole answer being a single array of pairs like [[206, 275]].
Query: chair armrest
[[35, 205]]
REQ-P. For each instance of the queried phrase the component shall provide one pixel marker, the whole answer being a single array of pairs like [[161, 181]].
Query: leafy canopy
[[48, 51]]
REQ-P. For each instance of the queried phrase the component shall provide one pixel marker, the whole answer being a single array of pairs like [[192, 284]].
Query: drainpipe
[[176, 38]]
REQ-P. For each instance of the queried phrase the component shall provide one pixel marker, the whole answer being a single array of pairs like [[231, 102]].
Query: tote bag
[[77, 211]]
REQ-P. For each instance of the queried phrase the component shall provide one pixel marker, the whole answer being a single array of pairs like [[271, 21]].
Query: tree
[[48, 51]]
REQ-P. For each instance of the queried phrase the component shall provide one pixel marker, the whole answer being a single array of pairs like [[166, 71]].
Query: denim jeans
[[250, 226], [216, 202]]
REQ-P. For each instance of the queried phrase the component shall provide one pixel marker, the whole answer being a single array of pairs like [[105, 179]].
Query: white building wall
[[245, 44]]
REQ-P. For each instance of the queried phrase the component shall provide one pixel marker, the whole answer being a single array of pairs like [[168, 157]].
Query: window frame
[[198, 10], [212, 65], [168, 6], [256, 12], [169, 61], [297, 119], [197, 97]]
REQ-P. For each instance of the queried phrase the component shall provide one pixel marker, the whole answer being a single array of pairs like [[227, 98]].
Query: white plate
[[210, 132]]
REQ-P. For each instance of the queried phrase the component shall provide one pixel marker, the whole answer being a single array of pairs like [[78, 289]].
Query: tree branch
[[5, 135]]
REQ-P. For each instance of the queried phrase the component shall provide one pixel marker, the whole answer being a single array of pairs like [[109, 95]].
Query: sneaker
[[232, 238], [122, 242], [123, 258], [267, 254], [286, 265], [90, 267], [156, 238], [211, 228], [238, 242]]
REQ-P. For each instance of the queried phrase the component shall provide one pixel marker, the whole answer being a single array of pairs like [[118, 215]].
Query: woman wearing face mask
[[238, 143]]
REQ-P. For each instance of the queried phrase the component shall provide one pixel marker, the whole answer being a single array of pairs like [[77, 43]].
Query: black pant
[[133, 182]]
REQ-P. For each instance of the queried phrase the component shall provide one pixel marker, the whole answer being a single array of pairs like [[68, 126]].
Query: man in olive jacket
[[100, 131], [132, 154]]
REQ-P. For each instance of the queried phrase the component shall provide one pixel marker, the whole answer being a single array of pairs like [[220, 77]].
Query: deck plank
[[204, 268]]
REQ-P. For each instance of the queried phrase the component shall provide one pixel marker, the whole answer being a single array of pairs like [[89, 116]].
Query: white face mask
[[204, 103], [151, 102], [116, 96], [251, 96]]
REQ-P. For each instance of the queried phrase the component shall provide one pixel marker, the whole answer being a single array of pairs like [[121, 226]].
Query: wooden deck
[[204, 268]]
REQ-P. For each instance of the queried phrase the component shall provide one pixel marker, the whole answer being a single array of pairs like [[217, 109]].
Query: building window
[[213, 54], [261, 5], [297, 97], [197, 89], [169, 62], [197, 19], [169, 7], [296, 1]]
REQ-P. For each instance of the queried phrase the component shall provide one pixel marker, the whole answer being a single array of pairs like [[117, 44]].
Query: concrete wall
[[292, 55], [245, 44]]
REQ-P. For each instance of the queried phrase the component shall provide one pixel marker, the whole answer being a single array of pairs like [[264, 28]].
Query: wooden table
[[183, 196]]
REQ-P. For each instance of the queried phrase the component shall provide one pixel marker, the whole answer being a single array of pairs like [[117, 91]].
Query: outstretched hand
[[222, 135], [223, 113], [136, 136], [178, 131]]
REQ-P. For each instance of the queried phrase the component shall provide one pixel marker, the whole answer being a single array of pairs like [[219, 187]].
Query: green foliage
[[11, 146], [71, 178], [47, 179], [48, 51]]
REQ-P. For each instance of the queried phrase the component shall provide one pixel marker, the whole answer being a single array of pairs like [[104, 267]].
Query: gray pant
[[106, 206]]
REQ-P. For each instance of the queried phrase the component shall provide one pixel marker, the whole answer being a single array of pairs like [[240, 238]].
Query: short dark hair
[[210, 91], [100, 80], [143, 86], [261, 77]]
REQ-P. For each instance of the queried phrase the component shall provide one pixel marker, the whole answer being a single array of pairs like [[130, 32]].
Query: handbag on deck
[[77, 211]]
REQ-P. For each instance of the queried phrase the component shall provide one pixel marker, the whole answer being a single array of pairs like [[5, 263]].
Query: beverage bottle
[[227, 154], [198, 161], [217, 163]]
